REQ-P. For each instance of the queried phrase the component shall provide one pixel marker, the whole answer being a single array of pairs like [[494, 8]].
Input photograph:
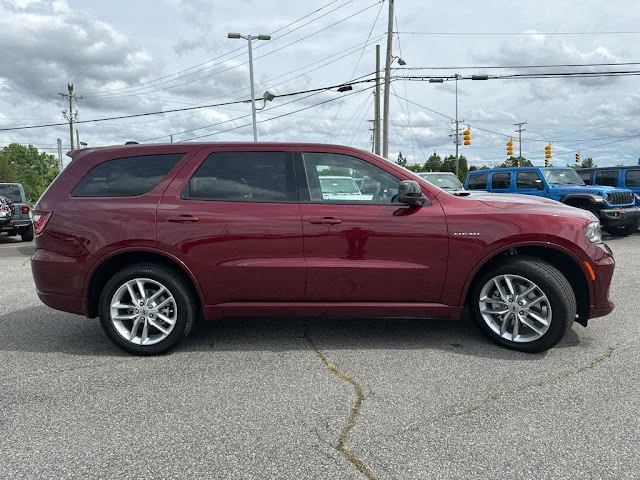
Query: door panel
[[363, 246], [243, 247]]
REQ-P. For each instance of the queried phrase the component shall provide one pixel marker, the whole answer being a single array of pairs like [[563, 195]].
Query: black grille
[[620, 198]]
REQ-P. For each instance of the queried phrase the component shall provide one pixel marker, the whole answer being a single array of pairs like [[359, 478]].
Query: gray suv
[[20, 220]]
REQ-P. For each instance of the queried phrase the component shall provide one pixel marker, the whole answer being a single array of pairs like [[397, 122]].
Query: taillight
[[25, 209], [40, 219]]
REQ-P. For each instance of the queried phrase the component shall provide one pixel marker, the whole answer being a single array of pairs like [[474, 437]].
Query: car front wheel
[[524, 304], [146, 309]]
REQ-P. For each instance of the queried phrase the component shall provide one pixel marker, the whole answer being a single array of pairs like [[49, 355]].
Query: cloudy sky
[[145, 56]]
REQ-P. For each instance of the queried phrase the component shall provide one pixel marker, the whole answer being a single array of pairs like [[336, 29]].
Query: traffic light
[[547, 154], [518, 162], [509, 148], [577, 157], [466, 135]]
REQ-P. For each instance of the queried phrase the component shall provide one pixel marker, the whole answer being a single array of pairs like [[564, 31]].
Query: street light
[[456, 77], [248, 38]]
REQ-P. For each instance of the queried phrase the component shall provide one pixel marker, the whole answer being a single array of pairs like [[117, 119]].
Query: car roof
[[620, 167]]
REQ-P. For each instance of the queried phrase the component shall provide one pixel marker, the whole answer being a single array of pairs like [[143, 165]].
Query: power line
[[522, 33], [488, 67], [183, 109]]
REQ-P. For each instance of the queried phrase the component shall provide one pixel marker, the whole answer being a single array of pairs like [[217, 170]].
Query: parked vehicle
[[447, 181], [621, 177], [151, 237], [615, 207], [19, 222], [341, 188]]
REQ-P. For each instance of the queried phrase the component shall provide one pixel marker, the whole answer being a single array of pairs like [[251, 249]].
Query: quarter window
[[632, 178], [243, 177], [478, 182], [336, 178], [609, 178], [500, 181], [127, 176]]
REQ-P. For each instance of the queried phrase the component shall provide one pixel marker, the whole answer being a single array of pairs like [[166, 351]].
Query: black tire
[[26, 233], [549, 282], [623, 230], [176, 286]]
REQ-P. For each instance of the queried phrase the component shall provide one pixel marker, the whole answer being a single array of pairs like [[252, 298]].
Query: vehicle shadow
[[43, 330]]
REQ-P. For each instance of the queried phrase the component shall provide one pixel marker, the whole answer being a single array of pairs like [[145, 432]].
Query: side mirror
[[410, 193]]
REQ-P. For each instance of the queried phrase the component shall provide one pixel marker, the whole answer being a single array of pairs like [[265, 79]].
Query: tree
[[402, 160], [588, 163], [6, 174], [433, 163], [512, 162], [33, 169]]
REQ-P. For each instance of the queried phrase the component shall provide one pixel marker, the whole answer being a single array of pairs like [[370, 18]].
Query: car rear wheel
[[524, 304], [26, 233], [146, 309]]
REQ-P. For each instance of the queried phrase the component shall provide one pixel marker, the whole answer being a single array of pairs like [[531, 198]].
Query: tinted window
[[335, 178], [633, 178], [478, 182], [243, 177], [527, 180], [126, 177], [609, 179], [586, 177], [12, 192], [500, 181]]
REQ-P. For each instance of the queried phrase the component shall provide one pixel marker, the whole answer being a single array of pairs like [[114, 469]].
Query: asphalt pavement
[[323, 398]]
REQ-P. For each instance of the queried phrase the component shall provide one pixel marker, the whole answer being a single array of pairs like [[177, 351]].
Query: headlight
[[593, 233], [637, 198]]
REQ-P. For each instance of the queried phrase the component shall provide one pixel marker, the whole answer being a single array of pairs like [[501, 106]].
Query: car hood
[[507, 200]]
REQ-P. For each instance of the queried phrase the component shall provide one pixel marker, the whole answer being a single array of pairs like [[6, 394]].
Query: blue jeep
[[621, 177], [616, 207]]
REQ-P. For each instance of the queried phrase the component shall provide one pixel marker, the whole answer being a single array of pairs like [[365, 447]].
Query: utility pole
[[457, 125], [376, 124], [520, 130], [387, 83], [59, 154], [70, 115]]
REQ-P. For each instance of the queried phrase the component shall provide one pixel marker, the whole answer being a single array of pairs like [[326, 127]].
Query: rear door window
[[527, 180], [478, 182], [586, 177], [500, 181], [12, 192], [127, 176], [608, 178], [244, 177]]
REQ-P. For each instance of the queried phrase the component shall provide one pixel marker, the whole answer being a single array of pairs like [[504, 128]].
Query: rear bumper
[[614, 217], [12, 225], [58, 281]]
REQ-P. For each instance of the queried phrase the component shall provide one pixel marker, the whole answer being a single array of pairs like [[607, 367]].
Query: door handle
[[183, 219], [325, 221]]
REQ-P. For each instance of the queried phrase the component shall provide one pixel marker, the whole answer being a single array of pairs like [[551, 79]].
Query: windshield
[[12, 192], [562, 176], [339, 185], [442, 180]]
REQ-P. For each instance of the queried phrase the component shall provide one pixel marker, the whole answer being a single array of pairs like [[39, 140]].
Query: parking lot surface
[[316, 398]]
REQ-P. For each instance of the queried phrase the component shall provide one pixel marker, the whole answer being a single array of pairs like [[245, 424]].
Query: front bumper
[[614, 217]]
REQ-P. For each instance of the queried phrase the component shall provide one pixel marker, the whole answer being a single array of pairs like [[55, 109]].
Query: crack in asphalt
[[523, 388], [341, 445]]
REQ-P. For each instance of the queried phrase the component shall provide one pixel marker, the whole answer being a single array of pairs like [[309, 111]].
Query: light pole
[[457, 134], [248, 38]]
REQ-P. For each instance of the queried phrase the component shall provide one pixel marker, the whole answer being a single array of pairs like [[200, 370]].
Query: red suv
[[151, 237]]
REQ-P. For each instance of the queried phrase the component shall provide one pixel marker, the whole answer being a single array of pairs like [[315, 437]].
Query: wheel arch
[[108, 265], [565, 262]]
